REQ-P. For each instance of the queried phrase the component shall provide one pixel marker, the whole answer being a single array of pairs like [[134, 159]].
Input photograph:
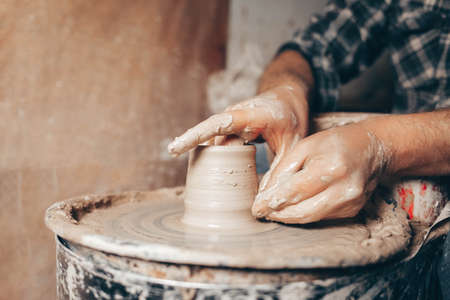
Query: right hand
[[279, 115]]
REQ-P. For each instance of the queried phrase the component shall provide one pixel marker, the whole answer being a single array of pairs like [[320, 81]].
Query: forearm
[[291, 76], [288, 69], [415, 144]]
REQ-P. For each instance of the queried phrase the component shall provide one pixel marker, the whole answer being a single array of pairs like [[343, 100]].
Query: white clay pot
[[221, 185]]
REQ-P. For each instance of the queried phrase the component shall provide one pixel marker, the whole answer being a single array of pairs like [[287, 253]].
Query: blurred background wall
[[266, 24], [90, 94]]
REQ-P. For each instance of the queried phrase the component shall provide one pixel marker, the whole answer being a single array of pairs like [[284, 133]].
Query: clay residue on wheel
[[77, 209], [140, 225], [390, 231]]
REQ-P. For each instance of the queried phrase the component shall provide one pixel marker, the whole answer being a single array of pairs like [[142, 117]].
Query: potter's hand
[[327, 175], [280, 115]]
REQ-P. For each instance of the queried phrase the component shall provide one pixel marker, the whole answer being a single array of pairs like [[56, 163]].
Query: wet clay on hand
[[328, 175], [279, 115]]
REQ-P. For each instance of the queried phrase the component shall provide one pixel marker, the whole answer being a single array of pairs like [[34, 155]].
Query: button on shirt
[[350, 35]]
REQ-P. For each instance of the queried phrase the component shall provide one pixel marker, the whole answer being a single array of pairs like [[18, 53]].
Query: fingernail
[[259, 214], [171, 147], [259, 211], [176, 147]]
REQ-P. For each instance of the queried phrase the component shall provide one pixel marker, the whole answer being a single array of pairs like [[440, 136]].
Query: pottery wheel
[[146, 225]]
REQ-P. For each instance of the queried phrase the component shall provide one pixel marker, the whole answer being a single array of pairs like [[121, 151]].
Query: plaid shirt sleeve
[[341, 43], [420, 55], [349, 36]]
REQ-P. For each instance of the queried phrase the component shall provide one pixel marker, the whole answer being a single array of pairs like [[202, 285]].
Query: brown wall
[[90, 93]]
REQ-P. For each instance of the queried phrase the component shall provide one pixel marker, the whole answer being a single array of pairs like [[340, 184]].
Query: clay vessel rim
[[230, 148]]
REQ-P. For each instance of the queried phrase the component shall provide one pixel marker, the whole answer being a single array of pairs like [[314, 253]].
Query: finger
[[310, 210], [219, 140], [267, 178], [231, 140], [281, 169], [331, 203], [288, 160], [209, 142], [345, 210], [315, 177], [214, 125], [232, 122], [349, 207]]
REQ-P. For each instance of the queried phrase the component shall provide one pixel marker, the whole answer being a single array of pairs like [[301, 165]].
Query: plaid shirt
[[350, 35]]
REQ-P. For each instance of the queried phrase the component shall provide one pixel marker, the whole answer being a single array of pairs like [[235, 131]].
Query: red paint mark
[[411, 210], [423, 190], [407, 201], [402, 194]]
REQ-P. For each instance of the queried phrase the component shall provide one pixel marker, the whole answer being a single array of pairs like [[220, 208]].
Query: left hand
[[327, 175]]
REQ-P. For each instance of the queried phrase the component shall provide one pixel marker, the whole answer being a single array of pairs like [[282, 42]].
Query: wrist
[[295, 97], [382, 145], [290, 77], [289, 68], [417, 143]]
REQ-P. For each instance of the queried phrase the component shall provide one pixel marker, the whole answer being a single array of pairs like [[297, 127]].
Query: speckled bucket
[[84, 273]]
